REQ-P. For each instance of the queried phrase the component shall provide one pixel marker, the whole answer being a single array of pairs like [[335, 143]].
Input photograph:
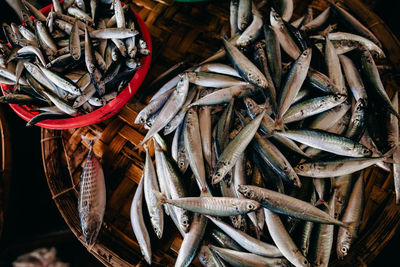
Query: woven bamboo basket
[[5, 168], [189, 32]]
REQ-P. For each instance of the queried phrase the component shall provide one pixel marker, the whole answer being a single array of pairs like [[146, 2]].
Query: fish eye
[[344, 249], [301, 167], [305, 262], [250, 206]]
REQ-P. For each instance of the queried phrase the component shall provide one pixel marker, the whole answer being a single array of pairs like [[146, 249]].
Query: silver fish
[[92, 196], [245, 259], [339, 167], [231, 153], [328, 142], [244, 66], [248, 242], [282, 34], [194, 152], [138, 224], [171, 107], [353, 212], [283, 240], [296, 77], [113, 33]]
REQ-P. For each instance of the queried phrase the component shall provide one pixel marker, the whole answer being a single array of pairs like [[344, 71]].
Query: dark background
[[33, 221]]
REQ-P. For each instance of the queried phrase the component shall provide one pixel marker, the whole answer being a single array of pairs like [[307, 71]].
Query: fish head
[[340, 98], [91, 225], [246, 191], [252, 205], [275, 18], [366, 152], [302, 168], [185, 222], [218, 175], [342, 250]]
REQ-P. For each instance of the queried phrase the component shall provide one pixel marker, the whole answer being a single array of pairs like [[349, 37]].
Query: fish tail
[[352, 227], [321, 202], [161, 197], [90, 140]]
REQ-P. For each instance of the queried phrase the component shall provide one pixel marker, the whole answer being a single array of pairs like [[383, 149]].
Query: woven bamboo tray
[[5, 167], [189, 32]]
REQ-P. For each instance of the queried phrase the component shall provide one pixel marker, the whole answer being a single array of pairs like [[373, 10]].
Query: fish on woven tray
[[249, 107], [49, 57], [92, 195]]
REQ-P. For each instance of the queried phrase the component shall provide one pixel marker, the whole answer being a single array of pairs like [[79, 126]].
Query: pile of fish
[[73, 61], [269, 140]]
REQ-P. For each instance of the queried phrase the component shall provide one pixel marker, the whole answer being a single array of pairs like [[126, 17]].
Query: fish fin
[[161, 197], [390, 152], [90, 140], [352, 227], [322, 202]]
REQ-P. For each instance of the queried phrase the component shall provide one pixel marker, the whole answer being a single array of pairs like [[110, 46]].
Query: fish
[[231, 153], [92, 195], [244, 66], [138, 224], [295, 79], [239, 258], [328, 142], [151, 185], [283, 241], [283, 204], [353, 212], [248, 242]]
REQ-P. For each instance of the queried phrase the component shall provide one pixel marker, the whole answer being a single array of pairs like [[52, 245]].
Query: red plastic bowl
[[108, 110]]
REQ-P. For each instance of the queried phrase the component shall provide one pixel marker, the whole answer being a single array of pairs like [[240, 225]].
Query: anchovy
[[351, 22], [225, 95], [244, 66], [251, 33], [248, 242], [113, 33], [218, 68], [194, 152], [374, 80], [238, 258], [34, 11], [214, 206], [61, 82], [171, 107], [283, 240], [74, 42], [353, 212], [328, 142], [138, 224], [353, 41], [336, 167], [151, 185], [233, 18], [324, 238], [353, 78], [208, 258], [78, 13], [191, 241], [312, 107], [92, 195], [317, 22], [296, 77], [231, 153], [283, 36]]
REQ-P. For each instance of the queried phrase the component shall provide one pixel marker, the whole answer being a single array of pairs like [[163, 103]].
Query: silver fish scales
[[92, 196]]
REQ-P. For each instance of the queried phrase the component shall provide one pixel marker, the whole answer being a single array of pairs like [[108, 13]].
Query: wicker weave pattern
[[188, 32]]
